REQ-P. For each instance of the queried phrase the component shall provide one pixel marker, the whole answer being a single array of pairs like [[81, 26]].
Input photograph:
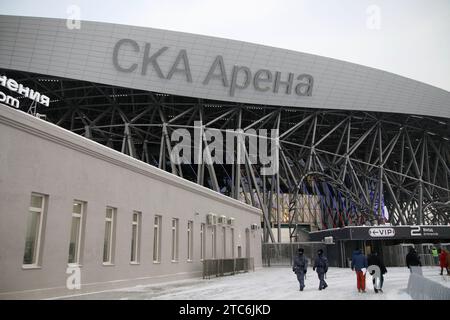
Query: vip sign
[[14, 86], [381, 232]]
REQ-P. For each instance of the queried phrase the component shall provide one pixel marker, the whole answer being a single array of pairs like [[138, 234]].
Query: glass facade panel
[[31, 239], [74, 240]]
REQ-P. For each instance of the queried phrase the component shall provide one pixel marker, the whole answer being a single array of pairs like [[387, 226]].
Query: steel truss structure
[[355, 167]]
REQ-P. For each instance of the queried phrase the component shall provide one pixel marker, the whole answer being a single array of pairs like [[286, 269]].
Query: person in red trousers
[[359, 264]]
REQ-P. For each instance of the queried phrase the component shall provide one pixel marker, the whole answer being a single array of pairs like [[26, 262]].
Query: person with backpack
[[359, 264], [300, 267], [375, 260], [321, 267]]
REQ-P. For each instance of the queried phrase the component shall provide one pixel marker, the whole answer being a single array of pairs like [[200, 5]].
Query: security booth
[[391, 242]]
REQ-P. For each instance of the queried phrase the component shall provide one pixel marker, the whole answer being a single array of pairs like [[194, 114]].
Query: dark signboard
[[384, 233]]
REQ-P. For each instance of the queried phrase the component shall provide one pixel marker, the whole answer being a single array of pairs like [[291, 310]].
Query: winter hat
[[300, 250]]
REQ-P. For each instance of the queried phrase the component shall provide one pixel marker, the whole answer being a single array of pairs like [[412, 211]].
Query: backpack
[[323, 263]]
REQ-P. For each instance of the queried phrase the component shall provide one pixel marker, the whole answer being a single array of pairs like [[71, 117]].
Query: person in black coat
[[412, 259], [375, 259], [321, 266], [300, 267]]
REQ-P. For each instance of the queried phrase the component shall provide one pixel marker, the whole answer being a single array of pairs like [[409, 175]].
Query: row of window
[[37, 215]]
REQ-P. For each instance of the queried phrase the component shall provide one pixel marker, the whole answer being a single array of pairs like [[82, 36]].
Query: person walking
[[435, 254], [359, 264], [300, 267], [413, 260], [444, 261], [448, 262], [321, 267], [375, 260]]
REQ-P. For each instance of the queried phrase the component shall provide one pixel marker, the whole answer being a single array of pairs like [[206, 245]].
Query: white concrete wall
[[36, 156], [47, 46]]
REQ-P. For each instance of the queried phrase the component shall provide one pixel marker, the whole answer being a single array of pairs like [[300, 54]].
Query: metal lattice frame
[[340, 161]]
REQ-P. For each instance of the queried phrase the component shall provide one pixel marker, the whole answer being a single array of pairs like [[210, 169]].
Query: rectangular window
[[33, 236], [190, 240], [174, 239], [157, 239], [224, 231], [76, 232], [135, 236], [232, 242], [213, 244], [108, 245], [202, 241]]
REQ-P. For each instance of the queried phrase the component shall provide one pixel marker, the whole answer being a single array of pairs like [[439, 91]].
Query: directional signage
[[381, 232], [384, 233]]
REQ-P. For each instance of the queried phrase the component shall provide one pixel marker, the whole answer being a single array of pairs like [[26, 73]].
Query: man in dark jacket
[[375, 260], [300, 267], [359, 264], [321, 267], [413, 260]]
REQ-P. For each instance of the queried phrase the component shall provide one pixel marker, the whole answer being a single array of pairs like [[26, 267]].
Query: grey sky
[[413, 39]]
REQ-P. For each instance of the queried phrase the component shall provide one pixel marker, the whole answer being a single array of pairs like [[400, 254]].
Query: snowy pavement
[[278, 283], [433, 273]]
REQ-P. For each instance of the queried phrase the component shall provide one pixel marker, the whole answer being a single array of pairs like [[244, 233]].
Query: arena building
[[355, 146]]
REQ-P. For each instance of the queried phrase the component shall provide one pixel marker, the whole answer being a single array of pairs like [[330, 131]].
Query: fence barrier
[[221, 267], [421, 288]]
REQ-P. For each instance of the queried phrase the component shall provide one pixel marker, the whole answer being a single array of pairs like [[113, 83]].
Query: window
[[232, 242], [108, 245], [33, 236], [224, 231], [135, 236], [213, 245], [157, 239], [76, 232], [174, 240], [190, 240], [202, 241]]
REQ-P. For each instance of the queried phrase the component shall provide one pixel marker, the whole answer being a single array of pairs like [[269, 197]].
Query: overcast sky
[[406, 37]]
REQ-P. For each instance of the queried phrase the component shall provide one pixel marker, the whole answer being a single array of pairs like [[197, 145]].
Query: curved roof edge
[[207, 67]]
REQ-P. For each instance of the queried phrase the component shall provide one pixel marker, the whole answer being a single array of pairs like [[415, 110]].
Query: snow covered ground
[[278, 283]]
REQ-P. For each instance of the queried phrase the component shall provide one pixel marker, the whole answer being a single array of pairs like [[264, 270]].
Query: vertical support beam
[[162, 153], [380, 177], [212, 172], [237, 165], [169, 148], [199, 156], [278, 181], [267, 224], [422, 159], [344, 171], [313, 141], [87, 132]]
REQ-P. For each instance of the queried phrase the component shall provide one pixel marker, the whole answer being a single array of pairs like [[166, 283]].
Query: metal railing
[[221, 267], [428, 260], [421, 288]]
